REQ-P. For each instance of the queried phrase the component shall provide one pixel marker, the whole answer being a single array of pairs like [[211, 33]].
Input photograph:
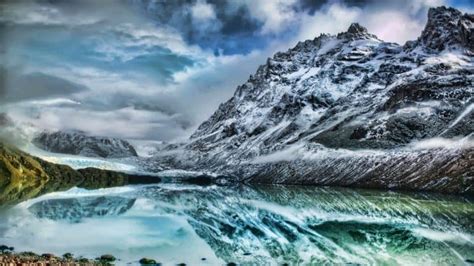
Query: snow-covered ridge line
[[78, 143], [346, 101]]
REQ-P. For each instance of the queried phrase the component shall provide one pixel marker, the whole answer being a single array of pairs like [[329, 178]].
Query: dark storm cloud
[[232, 31], [35, 86], [3, 74], [3, 85]]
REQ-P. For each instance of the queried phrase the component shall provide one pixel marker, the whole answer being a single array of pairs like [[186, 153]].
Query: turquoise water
[[265, 225]]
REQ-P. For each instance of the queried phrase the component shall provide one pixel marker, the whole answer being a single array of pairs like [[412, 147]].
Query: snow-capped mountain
[[77, 143], [351, 110], [355, 91]]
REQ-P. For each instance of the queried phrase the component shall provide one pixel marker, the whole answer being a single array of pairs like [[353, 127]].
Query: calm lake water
[[264, 225]]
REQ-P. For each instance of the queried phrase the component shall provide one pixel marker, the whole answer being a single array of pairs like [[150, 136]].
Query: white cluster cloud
[[33, 14], [415, 6], [389, 24], [125, 123], [275, 15], [202, 11], [330, 19], [204, 15], [394, 26]]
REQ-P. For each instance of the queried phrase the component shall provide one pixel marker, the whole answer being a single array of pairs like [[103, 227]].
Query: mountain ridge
[[351, 92], [23, 176], [78, 143]]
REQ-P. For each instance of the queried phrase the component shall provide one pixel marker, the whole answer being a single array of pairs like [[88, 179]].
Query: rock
[[68, 256], [107, 258], [147, 261], [48, 256], [447, 27], [5, 249], [356, 28], [84, 260]]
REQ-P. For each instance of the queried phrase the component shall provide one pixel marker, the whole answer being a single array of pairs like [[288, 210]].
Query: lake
[[264, 225]]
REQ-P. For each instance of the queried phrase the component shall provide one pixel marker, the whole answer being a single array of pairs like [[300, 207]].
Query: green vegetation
[[23, 176]]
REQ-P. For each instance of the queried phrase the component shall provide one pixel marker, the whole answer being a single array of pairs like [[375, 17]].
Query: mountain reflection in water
[[247, 225]]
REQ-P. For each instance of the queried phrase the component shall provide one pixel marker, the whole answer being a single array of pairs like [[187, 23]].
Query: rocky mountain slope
[[23, 177], [78, 143], [350, 110]]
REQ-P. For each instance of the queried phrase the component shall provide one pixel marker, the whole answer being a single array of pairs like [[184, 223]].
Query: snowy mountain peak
[[345, 108], [356, 28], [447, 28], [356, 32]]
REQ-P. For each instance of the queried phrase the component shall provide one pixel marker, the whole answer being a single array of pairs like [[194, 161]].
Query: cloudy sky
[[155, 69]]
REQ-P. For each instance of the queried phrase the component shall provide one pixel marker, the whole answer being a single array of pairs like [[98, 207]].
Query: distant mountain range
[[78, 143]]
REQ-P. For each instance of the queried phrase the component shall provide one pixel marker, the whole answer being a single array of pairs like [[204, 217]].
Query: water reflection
[[247, 225]]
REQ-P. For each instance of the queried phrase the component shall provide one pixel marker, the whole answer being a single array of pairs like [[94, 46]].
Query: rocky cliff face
[[446, 28], [351, 110], [77, 143]]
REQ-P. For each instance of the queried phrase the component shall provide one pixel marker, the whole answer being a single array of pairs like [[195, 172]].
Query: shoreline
[[9, 257]]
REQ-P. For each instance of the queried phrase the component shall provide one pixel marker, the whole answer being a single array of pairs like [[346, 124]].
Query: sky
[[156, 69]]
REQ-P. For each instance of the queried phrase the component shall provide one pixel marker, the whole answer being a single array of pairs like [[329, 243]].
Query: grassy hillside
[[23, 176]]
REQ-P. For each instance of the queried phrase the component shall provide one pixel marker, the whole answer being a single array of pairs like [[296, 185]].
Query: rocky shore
[[9, 257]]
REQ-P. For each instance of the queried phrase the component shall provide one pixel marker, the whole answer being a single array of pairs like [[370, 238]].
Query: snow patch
[[436, 143]]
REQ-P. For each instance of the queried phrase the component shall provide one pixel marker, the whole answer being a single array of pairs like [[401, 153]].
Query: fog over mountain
[[157, 69]]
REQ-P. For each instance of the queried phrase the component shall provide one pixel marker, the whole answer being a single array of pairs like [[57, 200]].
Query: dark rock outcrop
[[77, 143], [448, 27]]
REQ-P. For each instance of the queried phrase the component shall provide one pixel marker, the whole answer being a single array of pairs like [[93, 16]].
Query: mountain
[[350, 110], [23, 176], [67, 142], [78, 143]]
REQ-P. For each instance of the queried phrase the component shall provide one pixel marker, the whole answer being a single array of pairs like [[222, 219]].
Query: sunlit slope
[[23, 176]]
